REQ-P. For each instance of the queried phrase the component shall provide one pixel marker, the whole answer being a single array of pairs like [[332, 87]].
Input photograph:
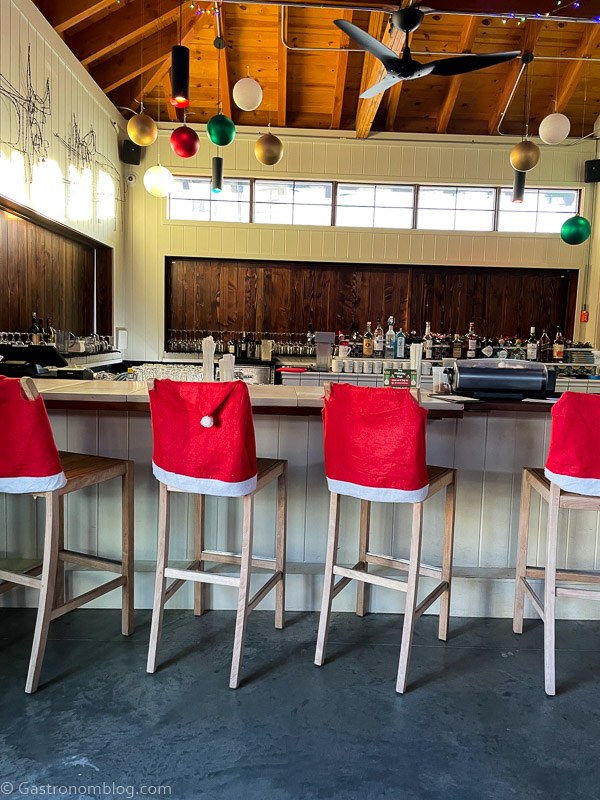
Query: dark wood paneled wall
[[204, 294], [47, 272]]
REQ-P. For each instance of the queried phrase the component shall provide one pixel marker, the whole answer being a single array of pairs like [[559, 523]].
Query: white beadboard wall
[[433, 159], [72, 92]]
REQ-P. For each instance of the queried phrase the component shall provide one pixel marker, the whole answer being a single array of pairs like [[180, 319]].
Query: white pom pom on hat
[[207, 422]]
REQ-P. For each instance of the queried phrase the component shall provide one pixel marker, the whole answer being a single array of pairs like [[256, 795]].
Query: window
[[192, 198], [451, 208], [380, 206], [292, 202], [542, 210]]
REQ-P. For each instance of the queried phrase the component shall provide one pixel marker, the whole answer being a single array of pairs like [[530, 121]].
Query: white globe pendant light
[[158, 181], [554, 128], [247, 94]]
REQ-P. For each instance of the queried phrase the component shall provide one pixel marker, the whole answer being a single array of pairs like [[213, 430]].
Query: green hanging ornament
[[575, 230], [220, 130]]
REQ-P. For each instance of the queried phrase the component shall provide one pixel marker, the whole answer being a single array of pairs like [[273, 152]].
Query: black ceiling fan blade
[[365, 40], [462, 64]]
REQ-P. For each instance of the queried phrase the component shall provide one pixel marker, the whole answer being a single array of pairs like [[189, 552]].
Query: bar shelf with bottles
[[244, 345]]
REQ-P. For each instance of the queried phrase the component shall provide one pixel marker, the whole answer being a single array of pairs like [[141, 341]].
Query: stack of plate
[[579, 355]]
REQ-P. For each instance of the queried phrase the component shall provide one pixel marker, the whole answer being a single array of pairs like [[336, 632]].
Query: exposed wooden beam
[[191, 25], [568, 84], [340, 75], [531, 31], [282, 59], [393, 101], [467, 39], [171, 111], [74, 13], [115, 34], [135, 59], [220, 27], [374, 71]]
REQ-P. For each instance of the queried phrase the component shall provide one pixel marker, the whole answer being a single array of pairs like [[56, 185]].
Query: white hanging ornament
[[158, 181], [247, 94], [554, 128]]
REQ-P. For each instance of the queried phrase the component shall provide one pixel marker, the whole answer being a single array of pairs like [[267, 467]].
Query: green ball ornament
[[220, 130], [575, 230]]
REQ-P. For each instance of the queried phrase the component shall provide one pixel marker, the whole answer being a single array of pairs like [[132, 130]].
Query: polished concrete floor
[[474, 724]]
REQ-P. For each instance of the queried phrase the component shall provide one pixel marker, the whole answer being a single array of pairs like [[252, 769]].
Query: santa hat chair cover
[[574, 457], [203, 437], [375, 444], [29, 460]]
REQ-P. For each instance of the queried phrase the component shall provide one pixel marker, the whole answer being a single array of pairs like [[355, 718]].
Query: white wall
[[72, 92], [433, 159]]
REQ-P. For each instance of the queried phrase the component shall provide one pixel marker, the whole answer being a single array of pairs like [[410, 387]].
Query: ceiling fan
[[404, 67]]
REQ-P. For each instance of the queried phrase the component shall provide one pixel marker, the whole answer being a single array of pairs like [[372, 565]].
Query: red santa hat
[[375, 444], [573, 461], [29, 460], [203, 437]]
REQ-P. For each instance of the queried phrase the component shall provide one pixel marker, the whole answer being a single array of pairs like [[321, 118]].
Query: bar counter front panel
[[488, 447]]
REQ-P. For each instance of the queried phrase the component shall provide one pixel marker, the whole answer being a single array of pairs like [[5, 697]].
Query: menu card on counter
[[400, 378]]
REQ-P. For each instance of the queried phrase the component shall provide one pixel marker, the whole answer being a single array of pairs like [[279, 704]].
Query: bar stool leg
[[550, 590], [328, 579], [160, 585], [59, 585], [127, 559], [522, 553], [447, 559], [280, 546], [411, 596], [363, 546], [243, 595], [199, 543], [47, 589]]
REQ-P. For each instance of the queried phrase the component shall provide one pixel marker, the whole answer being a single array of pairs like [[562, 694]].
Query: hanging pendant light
[[184, 142], [158, 181], [220, 130], [268, 149], [180, 70], [526, 154], [217, 174], [247, 94], [554, 128], [142, 129], [518, 194]]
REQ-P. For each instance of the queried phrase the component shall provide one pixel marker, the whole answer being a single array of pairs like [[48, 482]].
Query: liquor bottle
[[501, 350], [355, 341], [231, 348], [545, 348], [487, 347], [243, 349], [519, 352], [532, 346], [428, 342], [251, 347], [400, 344], [378, 341], [50, 332], [367, 342], [390, 339], [471, 340], [457, 346], [558, 348], [34, 331]]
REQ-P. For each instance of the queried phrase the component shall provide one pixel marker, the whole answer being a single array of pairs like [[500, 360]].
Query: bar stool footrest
[[87, 597]]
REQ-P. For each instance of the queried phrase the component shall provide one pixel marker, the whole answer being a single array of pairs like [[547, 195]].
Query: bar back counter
[[488, 444]]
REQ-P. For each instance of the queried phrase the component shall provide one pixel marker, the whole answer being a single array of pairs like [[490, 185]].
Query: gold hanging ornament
[[268, 149], [142, 130]]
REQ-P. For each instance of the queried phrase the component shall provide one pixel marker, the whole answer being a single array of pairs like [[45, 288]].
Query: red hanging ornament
[[185, 142]]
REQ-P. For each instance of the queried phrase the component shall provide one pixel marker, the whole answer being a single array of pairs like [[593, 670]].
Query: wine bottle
[[34, 331]]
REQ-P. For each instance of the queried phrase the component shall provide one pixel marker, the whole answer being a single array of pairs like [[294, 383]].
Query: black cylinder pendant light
[[180, 71], [217, 174], [518, 194]]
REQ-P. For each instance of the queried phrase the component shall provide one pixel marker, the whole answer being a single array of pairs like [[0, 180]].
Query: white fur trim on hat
[[186, 483], [207, 422], [28, 485], [380, 495], [589, 486]]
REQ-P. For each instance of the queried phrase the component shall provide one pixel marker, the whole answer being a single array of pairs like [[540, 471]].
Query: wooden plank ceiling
[[309, 83]]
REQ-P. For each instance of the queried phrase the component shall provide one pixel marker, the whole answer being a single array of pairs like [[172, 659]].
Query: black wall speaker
[[592, 171], [131, 153]]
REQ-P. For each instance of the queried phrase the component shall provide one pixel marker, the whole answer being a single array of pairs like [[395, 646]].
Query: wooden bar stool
[[203, 444], [31, 464], [571, 480], [375, 451]]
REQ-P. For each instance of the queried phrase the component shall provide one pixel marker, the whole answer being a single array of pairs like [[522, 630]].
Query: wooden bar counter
[[488, 444]]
